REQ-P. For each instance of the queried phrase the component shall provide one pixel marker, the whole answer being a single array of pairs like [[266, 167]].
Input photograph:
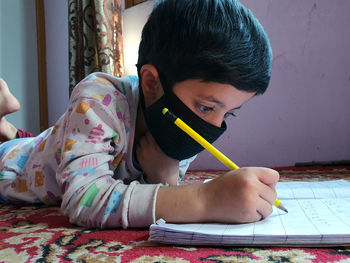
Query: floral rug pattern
[[43, 234]]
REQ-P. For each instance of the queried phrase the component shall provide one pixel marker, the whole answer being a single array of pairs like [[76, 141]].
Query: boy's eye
[[204, 109], [228, 114]]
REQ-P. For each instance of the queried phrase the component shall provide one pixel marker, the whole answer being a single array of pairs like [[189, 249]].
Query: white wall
[[133, 20], [18, 61], [56, 22]]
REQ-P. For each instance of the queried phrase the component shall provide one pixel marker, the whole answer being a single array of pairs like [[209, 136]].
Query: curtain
[[95, 38]]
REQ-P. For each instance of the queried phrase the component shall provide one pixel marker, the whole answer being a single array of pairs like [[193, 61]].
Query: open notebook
[[319, 215]]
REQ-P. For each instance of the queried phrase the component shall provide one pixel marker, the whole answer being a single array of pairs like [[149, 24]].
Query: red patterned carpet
[[42, 234]]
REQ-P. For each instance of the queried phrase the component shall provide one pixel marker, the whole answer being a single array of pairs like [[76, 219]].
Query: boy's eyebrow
[[222, 105]]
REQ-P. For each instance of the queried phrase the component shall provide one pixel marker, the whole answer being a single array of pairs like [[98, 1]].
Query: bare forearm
[[181, 204], [240, 196]]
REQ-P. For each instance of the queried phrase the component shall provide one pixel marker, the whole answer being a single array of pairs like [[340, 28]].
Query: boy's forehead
[[223, 95]]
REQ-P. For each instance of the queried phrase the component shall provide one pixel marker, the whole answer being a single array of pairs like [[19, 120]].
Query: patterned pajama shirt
[[85, 162]]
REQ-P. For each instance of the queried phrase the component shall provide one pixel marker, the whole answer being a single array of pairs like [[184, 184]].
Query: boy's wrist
[[181, 204]]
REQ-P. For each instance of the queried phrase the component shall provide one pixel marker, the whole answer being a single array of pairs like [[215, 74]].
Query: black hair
[[212, 40]]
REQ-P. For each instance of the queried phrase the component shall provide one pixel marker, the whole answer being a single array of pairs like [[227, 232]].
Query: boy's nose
[[217, 121]]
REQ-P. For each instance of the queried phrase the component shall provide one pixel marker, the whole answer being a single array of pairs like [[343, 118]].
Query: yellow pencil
[[208, 146]]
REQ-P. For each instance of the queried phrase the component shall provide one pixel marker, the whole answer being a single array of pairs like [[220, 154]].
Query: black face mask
[[171, 139]]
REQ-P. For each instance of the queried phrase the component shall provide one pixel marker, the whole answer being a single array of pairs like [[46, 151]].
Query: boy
[[202, 59]]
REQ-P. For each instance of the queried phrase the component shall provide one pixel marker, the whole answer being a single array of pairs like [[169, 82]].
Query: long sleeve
[[94, 142]]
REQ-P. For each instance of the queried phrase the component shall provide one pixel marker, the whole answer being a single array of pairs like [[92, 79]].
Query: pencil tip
[[284, 209]]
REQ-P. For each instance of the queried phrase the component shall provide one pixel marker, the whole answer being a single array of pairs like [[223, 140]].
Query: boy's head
[[212, 40], [208, 57]]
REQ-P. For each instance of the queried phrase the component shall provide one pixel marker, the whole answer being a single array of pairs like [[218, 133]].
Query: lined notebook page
[[319, 214], [322, 189]]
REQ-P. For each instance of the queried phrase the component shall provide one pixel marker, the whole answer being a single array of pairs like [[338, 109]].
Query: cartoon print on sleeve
[[95, 135], [2, 175], [57, 153], [55, 128], [68, 145], [89, 182], [22, 161], [104, 98], [113, 202], [12, 154], [103, 81], [22, 185], [90, 162], [117, 160], [39, 179], [42, 146], [38, 142], [89, 196], [82, 108]]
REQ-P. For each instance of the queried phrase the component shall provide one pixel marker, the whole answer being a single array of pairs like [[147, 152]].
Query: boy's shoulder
[[103, 83]]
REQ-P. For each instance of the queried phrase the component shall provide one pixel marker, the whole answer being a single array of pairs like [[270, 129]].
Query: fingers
[[244, 195], [267, 176], [262, 180], [266, 199], [264, 208], [265, 189], [267, 193], [261, 205]]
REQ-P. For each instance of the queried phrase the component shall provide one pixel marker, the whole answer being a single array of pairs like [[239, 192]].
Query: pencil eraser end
[[164, 111]]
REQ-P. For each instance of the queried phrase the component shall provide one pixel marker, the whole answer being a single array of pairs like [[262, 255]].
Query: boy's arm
[[92, 144], [244, 195]]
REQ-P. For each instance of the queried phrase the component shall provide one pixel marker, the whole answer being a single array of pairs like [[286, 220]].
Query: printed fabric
[[84, 163]]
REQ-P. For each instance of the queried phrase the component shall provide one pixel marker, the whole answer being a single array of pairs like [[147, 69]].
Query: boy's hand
[[158, 167], [240, 196]]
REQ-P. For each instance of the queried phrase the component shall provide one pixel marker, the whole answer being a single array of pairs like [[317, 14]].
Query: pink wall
[[305, 114]]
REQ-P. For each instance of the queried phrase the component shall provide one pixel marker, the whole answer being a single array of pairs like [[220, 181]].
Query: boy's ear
[[150, 84]]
